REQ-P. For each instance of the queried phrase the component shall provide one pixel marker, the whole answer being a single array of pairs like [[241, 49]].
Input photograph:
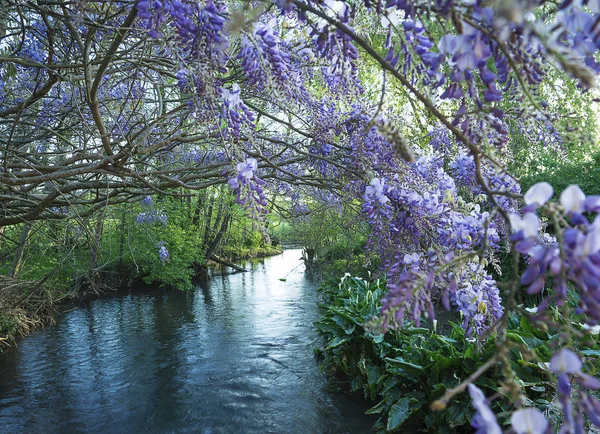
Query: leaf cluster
[[407, 369]]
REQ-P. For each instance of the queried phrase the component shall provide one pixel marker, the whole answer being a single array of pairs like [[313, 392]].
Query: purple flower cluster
[[462, 169], [249, 187], [163, 253], [577, 38], [337, 47], [147, 201], [575, 259], [266, 47], [477, 299], [567, 366], [440, 139], [152, 217], [422, 207], [201, 30], [235, 114], [418, 42]]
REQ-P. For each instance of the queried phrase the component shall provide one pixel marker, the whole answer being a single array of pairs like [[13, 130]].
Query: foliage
[[586, 174], [414, 109], [407, 370], [162, 240]]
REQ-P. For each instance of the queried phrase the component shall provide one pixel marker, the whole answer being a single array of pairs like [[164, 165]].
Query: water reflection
[[233, 356]]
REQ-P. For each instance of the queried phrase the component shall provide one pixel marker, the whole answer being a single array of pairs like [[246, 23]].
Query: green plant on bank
[[405, 371], [184, 252], [9, 324], [114, 247], [333, 261]]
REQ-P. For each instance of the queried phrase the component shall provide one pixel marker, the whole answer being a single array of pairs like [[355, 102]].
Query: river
[[235, 355]]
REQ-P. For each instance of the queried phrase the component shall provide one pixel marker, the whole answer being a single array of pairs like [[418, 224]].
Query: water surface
[[233, 356]]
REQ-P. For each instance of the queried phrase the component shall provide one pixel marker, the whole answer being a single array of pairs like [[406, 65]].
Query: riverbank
[[28, 305]]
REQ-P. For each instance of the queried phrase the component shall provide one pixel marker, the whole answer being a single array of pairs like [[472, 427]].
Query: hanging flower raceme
[[163, 253], [567, 366], [423, 208], [151, 216], [248, 187], [265, 58], [147, 201], [235, 114], [575, 259]]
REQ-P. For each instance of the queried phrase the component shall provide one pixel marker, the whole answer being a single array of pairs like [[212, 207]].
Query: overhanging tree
[[103, 103]]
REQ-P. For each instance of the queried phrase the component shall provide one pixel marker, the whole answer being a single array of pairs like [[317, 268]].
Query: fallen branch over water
[[229, 264]]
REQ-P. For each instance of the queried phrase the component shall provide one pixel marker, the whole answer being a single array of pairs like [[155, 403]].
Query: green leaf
[[408, 367], [337, 342], [398, 414], [417, 331], [525, 338], [378, 338], [470, 352], [373, 374], [459, 414], [378, 408], [593, 353]]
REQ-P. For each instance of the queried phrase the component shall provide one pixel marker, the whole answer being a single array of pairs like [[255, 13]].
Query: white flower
[[565, 362], [572, 199], [375, 189], [529, 421], [410, 258], [392, 17], [247, 168], [539, 194], [594, 330], [529, 224], [232, 97], [591, 243]]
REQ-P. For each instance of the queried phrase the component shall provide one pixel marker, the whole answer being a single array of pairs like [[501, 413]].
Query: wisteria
[[484, 420], [248, 187], [574, 260], [407, 110], [401, 219], [163, 253]]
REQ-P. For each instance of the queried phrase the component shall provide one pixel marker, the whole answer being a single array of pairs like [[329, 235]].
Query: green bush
[[407, 370], [586, 175]]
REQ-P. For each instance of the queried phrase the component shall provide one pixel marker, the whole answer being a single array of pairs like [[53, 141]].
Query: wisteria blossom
[[484, 421], [530, 421]]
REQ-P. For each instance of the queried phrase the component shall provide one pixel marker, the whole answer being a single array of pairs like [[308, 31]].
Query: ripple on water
[[233, 356]]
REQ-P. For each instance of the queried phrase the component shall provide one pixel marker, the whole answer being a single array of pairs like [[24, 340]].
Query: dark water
[[233, 356]]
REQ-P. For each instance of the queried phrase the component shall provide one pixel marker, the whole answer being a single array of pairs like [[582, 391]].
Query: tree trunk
[[207, 221], [122, 240], [96, 243], [198, 210], [17, 262], [215, 243]]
